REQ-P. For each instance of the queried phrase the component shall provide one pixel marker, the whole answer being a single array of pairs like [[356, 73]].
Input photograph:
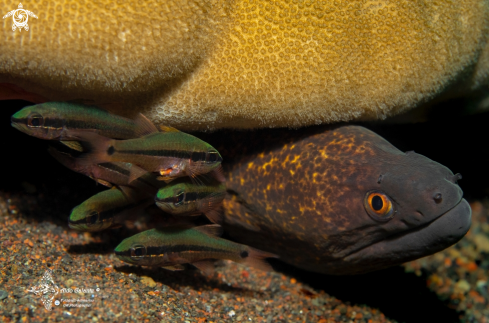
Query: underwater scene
[[244, 161]]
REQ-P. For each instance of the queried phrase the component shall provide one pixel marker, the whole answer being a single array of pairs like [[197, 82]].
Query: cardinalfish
[[56, 121], [170, 153], [186, 198], [108, 174], [107, 209], [175, 246]]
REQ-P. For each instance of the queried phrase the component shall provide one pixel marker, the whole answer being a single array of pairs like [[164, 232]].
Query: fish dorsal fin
[[144, 126], [75, 145], [135, 172], [214, 230], [176, 267], [87, 104], [207, 266], [164, 128]]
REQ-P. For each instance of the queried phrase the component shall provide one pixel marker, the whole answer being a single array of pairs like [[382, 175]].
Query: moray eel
[[339, 200]]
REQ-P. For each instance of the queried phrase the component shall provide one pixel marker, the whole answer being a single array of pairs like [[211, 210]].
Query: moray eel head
[[344, 201], [413, 207]]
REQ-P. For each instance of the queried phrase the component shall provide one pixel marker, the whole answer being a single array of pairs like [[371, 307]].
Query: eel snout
[[423, 190], [435, 236]]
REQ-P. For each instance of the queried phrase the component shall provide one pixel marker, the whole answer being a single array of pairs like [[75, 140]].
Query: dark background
[[451, 137]]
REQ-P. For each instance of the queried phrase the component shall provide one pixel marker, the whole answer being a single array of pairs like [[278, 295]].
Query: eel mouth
[[442, 232]]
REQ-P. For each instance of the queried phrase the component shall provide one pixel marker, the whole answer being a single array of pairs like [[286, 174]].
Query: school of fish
[[335, 200], [142, 165]]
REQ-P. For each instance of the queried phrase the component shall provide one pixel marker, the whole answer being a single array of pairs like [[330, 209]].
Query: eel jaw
[[435, 236]]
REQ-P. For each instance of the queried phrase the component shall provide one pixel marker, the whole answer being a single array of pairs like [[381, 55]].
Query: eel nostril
[[437, 198], [456, 177]]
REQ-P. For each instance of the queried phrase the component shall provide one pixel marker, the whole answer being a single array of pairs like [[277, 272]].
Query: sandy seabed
[[93, 285]]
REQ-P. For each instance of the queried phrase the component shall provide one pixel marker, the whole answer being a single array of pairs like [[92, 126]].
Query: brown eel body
[[301, 194]]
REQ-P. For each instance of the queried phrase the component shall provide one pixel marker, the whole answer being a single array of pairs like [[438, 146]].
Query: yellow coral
[[210, 64]]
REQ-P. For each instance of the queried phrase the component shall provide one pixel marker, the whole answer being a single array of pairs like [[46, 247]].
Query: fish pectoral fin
[[166, 179], [102, 182], [174, 267], [193, 172], [215, 215], [135, 172], [75, 145], [206, 266], [214, 230], [214, 200], [196, 180], [94, 147], [144, 126], [218, 174]]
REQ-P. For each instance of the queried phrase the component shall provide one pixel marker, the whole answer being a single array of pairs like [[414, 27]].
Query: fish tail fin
[[255, 258], [96, 147], [129, 193], [207, 266], [215, 216], [144, 126], [135, 172]]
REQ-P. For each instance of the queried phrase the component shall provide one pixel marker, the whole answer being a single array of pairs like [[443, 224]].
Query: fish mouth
[[19, 126], [442, 232]]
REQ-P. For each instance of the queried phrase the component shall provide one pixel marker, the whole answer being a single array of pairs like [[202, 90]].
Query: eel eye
[[178, 199], [35, 120], [138, 251], [379, 206], [92, 218]]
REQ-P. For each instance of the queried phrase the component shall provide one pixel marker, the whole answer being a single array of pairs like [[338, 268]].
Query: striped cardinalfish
[[107, 209], [170, 153], [56, 120], [175, 246], [108, 174], [187, 198]]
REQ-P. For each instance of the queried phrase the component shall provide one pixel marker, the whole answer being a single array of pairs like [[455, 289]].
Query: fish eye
[[379, 206], [179, 197], [138, 251], [35, 120], [92, 218], [212, 156]]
